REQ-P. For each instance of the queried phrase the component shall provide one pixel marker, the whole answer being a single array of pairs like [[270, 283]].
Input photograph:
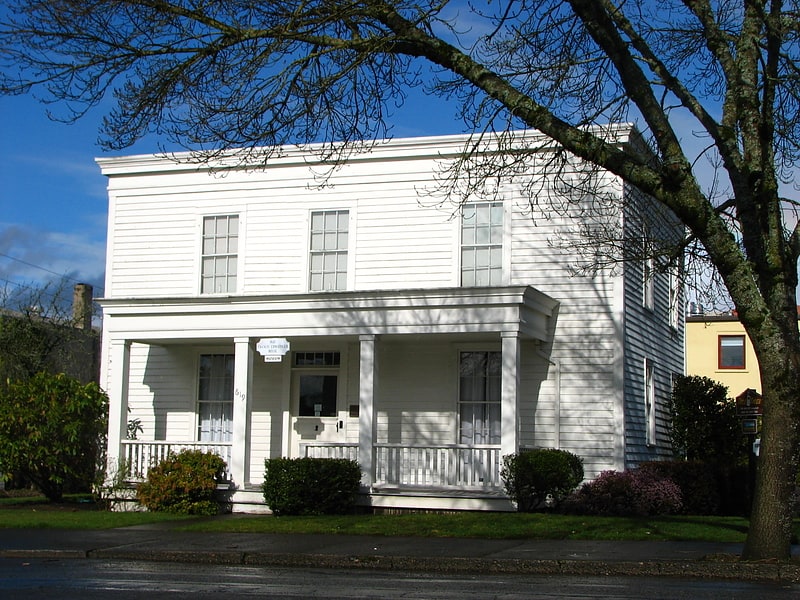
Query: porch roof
[[515, 310]]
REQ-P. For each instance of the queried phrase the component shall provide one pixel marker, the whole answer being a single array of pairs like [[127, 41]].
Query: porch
[[433, 440]]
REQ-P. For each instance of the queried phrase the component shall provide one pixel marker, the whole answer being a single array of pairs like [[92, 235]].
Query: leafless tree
[[706, 80]]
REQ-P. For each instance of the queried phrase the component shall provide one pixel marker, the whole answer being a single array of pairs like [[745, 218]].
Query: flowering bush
[[636, 492]]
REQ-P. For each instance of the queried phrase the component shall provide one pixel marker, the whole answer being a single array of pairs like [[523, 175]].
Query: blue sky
[[53, 203]]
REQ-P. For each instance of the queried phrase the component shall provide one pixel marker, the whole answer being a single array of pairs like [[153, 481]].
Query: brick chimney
[[82, 305]]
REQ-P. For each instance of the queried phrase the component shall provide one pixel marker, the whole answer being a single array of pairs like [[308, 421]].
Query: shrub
[[311, 486], [704, 422], [698, 482], [183, 483], [532, 475], [52, 432], [636, 492]]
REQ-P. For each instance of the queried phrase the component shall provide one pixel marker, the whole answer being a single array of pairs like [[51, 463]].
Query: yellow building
[[717, 347]]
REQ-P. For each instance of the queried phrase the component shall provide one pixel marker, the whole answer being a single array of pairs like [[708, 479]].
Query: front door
[[315, 403]]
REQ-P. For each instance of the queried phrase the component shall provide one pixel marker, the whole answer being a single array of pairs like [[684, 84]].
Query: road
[[83, 579]]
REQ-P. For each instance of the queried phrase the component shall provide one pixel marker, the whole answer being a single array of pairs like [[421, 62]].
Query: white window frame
[[341, 253], [230, 254], [220, 385], [675, 295], [496, 266], [650, 401], [485, 437], [649, 283]]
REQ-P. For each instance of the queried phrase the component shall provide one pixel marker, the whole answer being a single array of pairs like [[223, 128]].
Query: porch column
[[242, 388], [116, 379], [366, 409], [509, 409]]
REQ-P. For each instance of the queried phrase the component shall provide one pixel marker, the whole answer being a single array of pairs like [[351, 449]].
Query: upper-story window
[[675, 307], [731, 352], [649, 290], [482, 244], [220, 254], [328, 259]]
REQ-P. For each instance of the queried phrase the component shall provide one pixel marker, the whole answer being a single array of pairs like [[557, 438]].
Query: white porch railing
[[446, 466], [140, 455], [329, 450]]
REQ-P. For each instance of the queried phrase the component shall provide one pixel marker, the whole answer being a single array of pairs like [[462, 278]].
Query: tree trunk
[[770, 532]]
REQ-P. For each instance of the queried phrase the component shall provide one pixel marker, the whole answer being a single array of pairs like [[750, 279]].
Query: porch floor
[[404, 498]]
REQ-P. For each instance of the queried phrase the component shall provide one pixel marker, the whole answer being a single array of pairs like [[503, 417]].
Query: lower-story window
[[479, 397], [215, 398]]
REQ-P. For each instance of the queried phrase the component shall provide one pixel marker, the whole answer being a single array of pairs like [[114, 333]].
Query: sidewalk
[[163, 543]]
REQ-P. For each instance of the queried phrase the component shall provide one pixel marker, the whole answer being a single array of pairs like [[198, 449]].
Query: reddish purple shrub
[[636, 492]]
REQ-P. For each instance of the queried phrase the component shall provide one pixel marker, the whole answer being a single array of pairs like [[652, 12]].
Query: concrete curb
[[712, 568]]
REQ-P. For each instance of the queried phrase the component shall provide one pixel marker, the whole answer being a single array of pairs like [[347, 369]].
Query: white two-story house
[[252, 312]]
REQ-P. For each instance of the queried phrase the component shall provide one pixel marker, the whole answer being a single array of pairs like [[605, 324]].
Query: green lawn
[[493, 525], [78, 513]]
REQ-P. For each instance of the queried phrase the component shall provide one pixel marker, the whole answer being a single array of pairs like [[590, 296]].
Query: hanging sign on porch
[[272, 349]]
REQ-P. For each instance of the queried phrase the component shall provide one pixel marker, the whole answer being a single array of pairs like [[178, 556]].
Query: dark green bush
[[311, 486], [52, 432], [532, 475], [183, 483], [697, 481], [705, 425]]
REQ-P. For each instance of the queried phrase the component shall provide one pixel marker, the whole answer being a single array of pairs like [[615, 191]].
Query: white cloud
[[30, 256]]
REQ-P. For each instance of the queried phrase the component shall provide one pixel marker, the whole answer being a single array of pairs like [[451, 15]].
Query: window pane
[[467, 277], [468, 258], [318, 395], [482, 258], [331, 221], [330, 263], [330, 241], [496, 257], [497, 213]]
